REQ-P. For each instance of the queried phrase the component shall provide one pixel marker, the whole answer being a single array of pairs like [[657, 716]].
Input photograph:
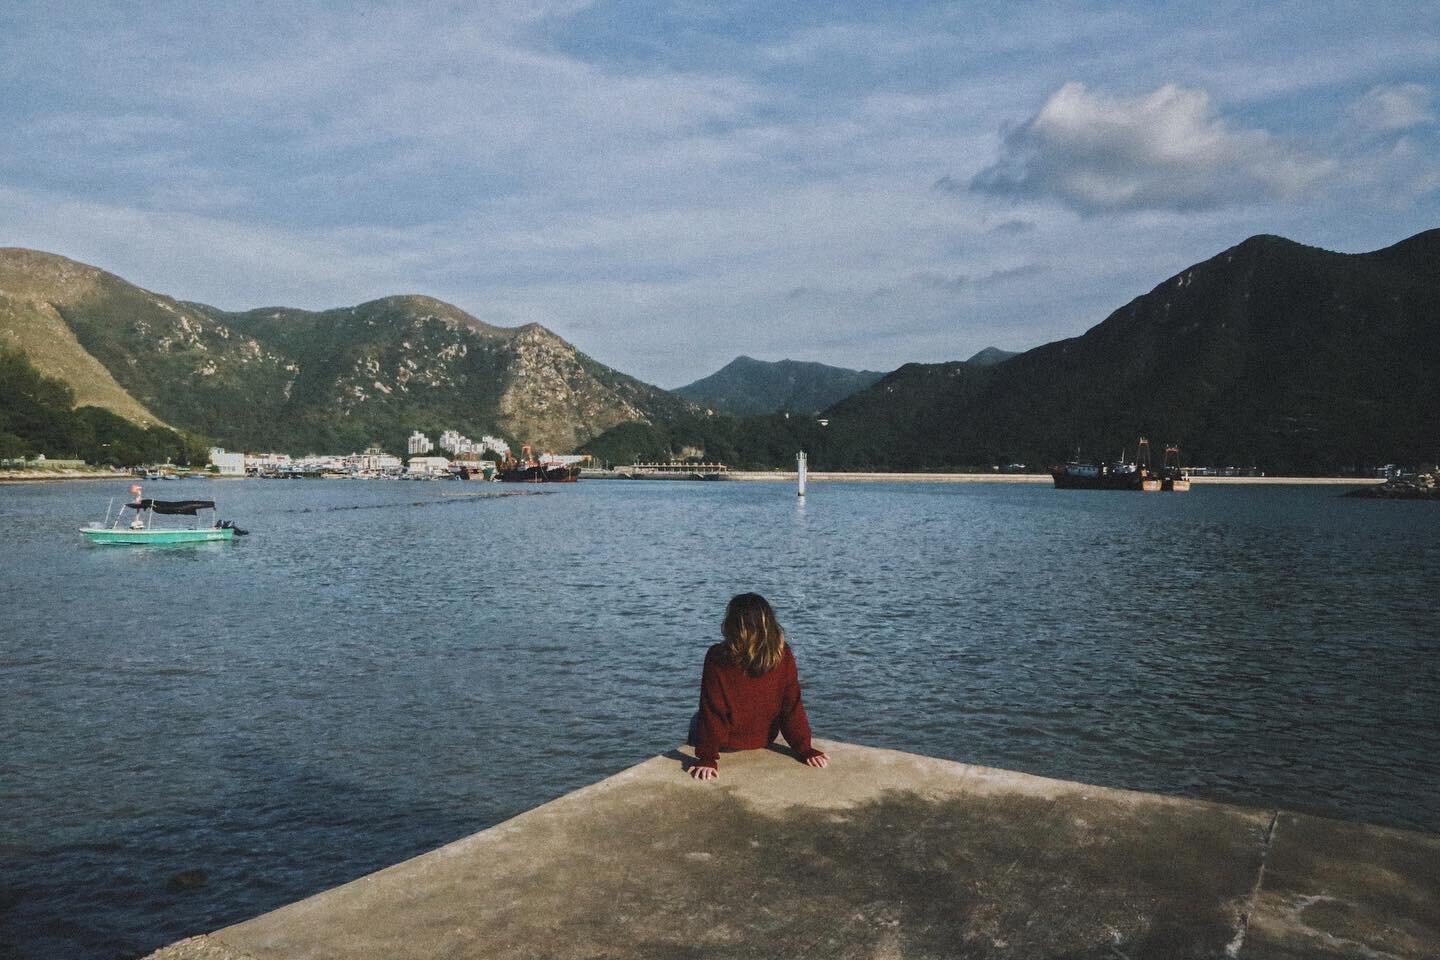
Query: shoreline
[[56, 476], [783, 476], [753, 476]]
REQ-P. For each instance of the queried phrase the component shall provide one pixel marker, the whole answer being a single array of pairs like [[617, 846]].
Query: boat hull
[[122, 537], [1071, 480], [535, 473]]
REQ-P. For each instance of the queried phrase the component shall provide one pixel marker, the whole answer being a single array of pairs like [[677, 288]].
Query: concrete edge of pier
[[881, 855]]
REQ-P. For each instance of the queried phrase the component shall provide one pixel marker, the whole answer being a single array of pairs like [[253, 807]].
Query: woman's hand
[[819, 760], [701, 772]]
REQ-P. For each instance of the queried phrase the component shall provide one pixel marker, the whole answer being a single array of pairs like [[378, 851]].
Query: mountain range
[[749, 386], [335, 380], [1270, 353]]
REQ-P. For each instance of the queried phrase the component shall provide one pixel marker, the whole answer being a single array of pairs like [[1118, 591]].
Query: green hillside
[[38, 416], [30, 285], [300, 381]]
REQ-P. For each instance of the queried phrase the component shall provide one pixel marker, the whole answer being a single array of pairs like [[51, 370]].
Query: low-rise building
[[266, 462], [428, 466], [376, 460], [228, 464]]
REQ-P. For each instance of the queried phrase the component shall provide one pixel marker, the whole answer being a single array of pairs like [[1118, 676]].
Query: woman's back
[[750, 689]]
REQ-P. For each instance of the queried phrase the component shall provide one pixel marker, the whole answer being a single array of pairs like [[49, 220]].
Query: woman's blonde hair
[[753, 637]]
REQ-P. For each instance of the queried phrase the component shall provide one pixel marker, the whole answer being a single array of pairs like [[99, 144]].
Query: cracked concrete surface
[[883, 854]]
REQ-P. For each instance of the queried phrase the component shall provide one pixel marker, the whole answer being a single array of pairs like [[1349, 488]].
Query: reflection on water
[[348, 687]]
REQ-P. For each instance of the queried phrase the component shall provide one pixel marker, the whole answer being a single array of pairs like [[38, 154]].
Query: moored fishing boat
[[544, 469], [1172, 475], [1119, 474], [135, 525]]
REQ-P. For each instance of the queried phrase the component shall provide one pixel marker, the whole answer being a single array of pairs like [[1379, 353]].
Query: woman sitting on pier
[[750, 690]]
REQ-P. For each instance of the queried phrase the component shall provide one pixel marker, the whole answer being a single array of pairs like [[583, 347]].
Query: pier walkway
[[882, 855]]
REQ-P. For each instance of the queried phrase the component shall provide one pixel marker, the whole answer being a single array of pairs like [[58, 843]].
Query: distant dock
[[881, 855], [669, 470]]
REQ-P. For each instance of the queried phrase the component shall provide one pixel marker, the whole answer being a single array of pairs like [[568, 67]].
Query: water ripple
[[360, 681]]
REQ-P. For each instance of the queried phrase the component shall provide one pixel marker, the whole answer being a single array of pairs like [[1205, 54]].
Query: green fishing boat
[[135, 523]]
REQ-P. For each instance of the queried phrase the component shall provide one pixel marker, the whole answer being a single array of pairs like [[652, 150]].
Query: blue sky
[[667, 185]]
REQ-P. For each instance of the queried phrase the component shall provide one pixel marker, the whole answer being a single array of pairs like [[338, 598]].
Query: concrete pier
[[881, 855]]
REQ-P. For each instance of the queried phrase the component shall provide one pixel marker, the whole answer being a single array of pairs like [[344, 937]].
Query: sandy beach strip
[[54, 476]]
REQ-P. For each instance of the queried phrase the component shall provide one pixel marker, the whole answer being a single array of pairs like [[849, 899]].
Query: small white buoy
[[800, 472]]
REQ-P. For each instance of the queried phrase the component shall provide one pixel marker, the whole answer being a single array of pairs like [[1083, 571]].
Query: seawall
[[881, 855]]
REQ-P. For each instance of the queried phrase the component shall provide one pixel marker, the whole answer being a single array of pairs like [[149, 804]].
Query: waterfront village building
[[418, 444], [428, 466], [373, 460], [266, 462], [228, 464], [313, 463]]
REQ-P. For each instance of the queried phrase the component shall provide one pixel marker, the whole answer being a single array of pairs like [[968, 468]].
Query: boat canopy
[[188, 508]]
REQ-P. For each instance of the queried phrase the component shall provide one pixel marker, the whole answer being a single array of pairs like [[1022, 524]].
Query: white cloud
[[668, 192], [1165, 150], [1392, 107]]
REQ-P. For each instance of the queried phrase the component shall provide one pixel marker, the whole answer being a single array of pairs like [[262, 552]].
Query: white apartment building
[[419, 443], [456, 442], [428, 466], [229, 464]]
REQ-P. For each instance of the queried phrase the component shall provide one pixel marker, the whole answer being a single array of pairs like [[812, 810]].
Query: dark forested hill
[[991, 355], [745, 385], [1270, 354]]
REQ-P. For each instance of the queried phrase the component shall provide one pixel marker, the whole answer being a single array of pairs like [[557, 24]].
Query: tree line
[[38, 416]]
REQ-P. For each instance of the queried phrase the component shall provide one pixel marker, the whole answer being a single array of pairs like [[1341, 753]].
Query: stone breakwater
[[1423, 487], [883, 854]]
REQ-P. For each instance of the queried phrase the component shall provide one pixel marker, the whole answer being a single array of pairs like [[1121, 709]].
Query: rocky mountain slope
[[32, 285], [746, 385], [301, 380]]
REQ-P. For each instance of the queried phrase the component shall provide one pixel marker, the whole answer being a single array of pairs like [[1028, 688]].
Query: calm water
[[381, 668]]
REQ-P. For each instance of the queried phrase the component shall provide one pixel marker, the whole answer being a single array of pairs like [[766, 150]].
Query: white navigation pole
[[800, 472]]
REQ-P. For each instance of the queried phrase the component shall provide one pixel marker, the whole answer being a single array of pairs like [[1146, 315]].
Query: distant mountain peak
[[991, 356], [746, 386]]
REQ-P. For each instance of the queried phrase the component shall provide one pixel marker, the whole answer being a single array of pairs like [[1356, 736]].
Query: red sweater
[[741, 712]]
